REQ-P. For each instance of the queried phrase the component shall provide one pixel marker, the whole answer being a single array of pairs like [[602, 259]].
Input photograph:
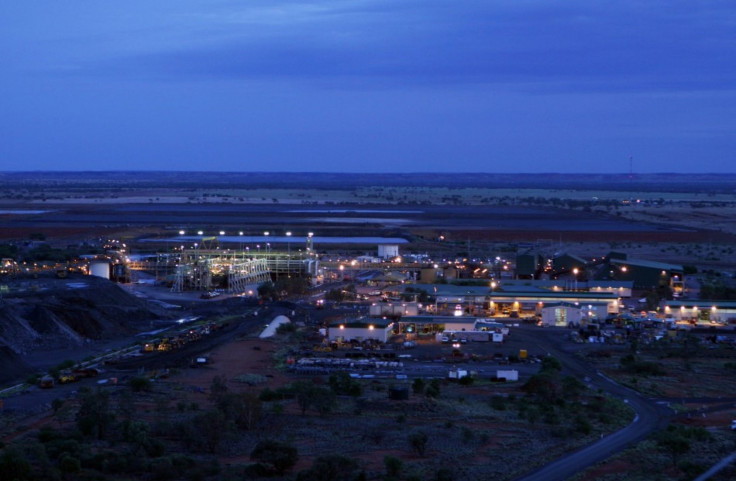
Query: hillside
[[44, 314]]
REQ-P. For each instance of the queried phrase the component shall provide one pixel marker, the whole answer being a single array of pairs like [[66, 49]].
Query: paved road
[[723, 463], [650, 415]]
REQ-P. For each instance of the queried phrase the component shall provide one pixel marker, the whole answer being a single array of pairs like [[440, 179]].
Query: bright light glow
[[199, 232], [222, 232], [288, 233], [370, 327], [181, 232], [342, 326]]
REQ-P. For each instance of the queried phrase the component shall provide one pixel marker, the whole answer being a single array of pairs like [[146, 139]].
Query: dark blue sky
[[368, 86]]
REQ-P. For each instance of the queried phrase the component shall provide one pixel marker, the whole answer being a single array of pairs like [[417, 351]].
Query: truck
[[507, 374], [457, 374], [46, 382]]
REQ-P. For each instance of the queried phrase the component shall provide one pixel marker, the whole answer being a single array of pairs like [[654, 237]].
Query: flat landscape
[[164, 416]]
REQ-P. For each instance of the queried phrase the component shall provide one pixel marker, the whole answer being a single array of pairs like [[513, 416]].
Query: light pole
[[288, 249], [492, 305], [575, 273]]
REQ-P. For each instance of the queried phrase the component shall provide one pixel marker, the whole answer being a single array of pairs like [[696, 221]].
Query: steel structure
[[197, 267]]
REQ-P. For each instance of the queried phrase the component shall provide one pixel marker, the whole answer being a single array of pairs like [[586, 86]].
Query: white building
[[561, 314], [388, 251], [360, 330], [380, 309]]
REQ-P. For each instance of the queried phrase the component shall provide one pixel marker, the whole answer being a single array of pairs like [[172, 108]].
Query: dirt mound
[[11, 365], [47, 313]]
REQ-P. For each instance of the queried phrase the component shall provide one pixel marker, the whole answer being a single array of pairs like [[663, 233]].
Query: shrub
[[498, 403], [69, 464], [393, 466], [277, 456], [331, 467], [433, 390], [418, 441], [418, 386], [140, 383]]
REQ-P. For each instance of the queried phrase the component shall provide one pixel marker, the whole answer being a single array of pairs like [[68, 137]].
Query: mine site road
[[35, 399], [650, 415]]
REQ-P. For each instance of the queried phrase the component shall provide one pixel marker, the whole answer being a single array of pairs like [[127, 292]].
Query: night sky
[[368, 86]]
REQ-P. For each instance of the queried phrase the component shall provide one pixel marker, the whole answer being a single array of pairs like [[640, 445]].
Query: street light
[[491, 304], [575, 273], [288, 249]]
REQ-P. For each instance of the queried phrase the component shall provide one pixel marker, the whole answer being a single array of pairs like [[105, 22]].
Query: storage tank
[[99, 269]]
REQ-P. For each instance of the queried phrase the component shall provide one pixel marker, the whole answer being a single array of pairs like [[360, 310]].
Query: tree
[[418, 441], [303, 394], [673, 443], [210, 426], [323, 399], [550, 363], [433, 390], [308, 395], [331, 467], [218, 388], [95, 416], [68, 464], [418, 386], [13, 465], [393, 467], [342, 384], [140, 383], [267, 290], [543, 384], [572, 387], [276, 456], [244, 409]]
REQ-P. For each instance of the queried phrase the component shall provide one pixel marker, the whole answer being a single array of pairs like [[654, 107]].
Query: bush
[[342, 384], [498, 403], [69, 464], [583, 426], [418, 441], [331, 467], [275, 456], [393, 466], [140, 383], [13, 465], [433, 390]]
